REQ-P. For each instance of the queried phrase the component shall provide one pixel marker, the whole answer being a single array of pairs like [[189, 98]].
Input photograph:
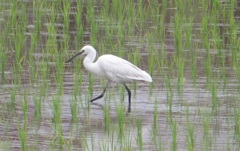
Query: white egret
[[113, 69]]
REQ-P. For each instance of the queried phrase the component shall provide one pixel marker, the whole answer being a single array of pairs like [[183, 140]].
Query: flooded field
[[191, 50]]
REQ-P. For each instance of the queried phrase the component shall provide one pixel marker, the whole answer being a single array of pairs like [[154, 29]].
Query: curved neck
[[89, 64], [90, 57]]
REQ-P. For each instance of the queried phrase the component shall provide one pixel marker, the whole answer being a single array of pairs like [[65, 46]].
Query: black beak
[[69, 60]]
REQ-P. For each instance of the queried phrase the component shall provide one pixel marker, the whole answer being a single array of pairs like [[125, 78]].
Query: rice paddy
[[190, 48]]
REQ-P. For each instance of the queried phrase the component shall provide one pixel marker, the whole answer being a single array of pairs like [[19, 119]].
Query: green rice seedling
[[135, 57], [22, 134], [57, 113], [79, 26], [136, 60], [19, 42], [162, 61], [57, 110], [237, 124], [122, 94], [121, 122], [38, 7], [152, 52], [155, 116], [233, 39], [44, 73], [19, 22], [25, 109], [38, 107], [174, 135], [31, 57], [13, 99], [113, 144], [59, 71], [108, 35], [151, 62], [120, 32], [194, 65], [208, 65], [51, 43], [188, 34], [107, 118], [3, 53], [126, 145], [78, 78], [207, 139], [169, 95], [121, 49], [103, 146], [156, 129], [91, 21], [91, 84], [66, 9], [84, 143], [214, 97], [223, 71], [3, 62], [178, 35], [139, 134], [131, 15], [181, 79], [228, 148], [94, 33], [74, 110], [190, 140]]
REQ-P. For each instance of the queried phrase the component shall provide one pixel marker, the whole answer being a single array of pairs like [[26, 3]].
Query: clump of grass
[[237, 124], [194, 65], [169, 92], [31, 57], [215, 102], [139, 134], [57, 119], [59, 71], [22, 130], [174, 135], [207, 138], [121, 122], [22, 133], [190, 138], [156, 128], [91, 84], [74, 110], [25, 109], [79, 25], [107, 118], [38, 107], [13, 99], [38, 7], [3, 62]]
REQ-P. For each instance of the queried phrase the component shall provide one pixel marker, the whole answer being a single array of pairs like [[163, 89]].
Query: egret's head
[[84, 51]]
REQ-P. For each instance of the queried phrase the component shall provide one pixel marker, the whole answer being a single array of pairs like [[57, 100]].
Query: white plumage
[[112, 68]]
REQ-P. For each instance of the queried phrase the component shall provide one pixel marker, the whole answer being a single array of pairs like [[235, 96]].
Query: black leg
[[100, 96], [129, 94]]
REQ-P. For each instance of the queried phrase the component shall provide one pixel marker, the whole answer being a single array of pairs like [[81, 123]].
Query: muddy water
[[89, 130]]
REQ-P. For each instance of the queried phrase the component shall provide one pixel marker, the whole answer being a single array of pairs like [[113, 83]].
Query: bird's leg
[[129, 98], [101, 95]]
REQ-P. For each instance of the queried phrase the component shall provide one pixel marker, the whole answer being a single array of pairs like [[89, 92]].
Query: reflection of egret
[[112, 68]]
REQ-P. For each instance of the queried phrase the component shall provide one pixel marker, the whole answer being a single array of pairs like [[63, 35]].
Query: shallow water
[[213, 128]]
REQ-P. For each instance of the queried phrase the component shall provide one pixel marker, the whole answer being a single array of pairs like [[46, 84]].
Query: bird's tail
[[146, 77]]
